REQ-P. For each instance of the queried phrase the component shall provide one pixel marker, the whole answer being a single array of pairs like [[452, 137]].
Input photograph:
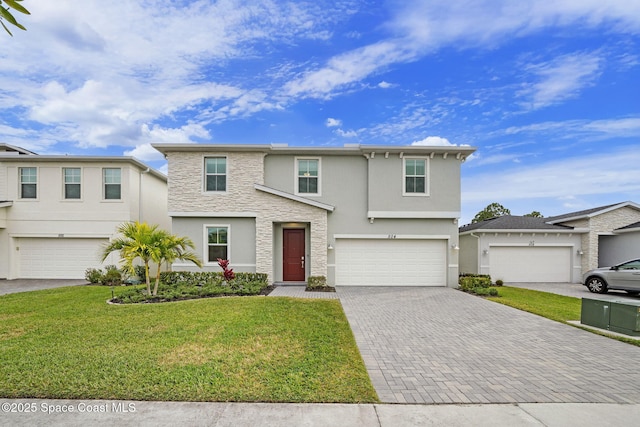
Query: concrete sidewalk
[[83, 413]]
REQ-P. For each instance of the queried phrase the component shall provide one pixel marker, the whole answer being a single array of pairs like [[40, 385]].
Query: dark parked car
[[625, 277]]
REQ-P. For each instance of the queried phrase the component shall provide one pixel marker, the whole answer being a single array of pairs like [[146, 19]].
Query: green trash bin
[[625, 317], [595, 313]]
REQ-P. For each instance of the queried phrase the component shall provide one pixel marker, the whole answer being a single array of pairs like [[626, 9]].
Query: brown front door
[[293, 255]]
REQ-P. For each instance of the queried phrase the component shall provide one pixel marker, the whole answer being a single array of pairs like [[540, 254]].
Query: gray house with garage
[[358, 214], [554, 249]]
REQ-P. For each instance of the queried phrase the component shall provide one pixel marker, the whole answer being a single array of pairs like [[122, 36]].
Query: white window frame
[[20, 183], [104, 185], [206, 242], [296, 170], [427, 183], [204, 174], [64, 185]]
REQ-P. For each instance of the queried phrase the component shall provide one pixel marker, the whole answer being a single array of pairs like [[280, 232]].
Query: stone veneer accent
[[601, 224], [186, 194]]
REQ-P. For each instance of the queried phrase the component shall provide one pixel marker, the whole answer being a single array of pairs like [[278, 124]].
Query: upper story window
[[217, 243], [71, 177], [308, 176], [28, 183], [215, 172], [112, 181], [415, 177]]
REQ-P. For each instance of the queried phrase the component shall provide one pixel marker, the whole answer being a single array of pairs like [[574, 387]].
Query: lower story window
[[217, 243]]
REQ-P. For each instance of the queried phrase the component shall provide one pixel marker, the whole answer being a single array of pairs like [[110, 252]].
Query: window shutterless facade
[[72, 183], [217, 246], [28, 183], [215, 174], [415, 177], [112, 183], [307, 176]]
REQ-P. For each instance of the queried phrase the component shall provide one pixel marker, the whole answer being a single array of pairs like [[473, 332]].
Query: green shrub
[[112, 276], [485, 292], [180, 285], [93, 276], [499, 282], [468, 282], [316, 282]]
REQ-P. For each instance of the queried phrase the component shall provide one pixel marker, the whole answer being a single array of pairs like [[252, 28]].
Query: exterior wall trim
[[213, 214], [294, 197], [393, 236], [414, 214]]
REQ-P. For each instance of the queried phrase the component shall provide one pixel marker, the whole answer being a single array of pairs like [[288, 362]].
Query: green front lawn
[[552, 306], [68, 343]]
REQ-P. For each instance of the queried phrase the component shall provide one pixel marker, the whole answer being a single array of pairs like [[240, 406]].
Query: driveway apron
[[440, 345]]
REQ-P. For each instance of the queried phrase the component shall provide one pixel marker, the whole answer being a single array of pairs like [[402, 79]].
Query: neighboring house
[[621, 246], [359, 215], [57, 211], [554, 249]]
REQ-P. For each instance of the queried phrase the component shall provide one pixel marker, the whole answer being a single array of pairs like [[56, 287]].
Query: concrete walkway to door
[[440, 345]]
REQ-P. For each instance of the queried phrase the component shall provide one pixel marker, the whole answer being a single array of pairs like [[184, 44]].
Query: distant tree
[[5, 15], [491, 211], [535, 214]]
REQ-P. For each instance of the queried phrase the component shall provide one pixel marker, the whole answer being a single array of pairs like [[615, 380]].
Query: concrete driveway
[[26, 285], [440, 345]]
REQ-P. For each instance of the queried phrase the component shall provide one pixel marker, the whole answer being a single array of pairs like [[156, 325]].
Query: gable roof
[[631, 227], [588, 213], [512, 222]]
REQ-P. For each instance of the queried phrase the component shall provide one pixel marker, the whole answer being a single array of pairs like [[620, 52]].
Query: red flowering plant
[[226, 271]]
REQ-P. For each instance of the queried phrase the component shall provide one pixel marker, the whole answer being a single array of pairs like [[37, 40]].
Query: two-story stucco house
[[57, 211], [359, 215]]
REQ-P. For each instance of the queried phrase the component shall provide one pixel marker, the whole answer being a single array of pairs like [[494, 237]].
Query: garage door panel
[[530, 264], [377, 262], [62, 258]]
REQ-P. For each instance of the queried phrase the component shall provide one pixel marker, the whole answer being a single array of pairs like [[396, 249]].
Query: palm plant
[[170, 249], [139, 240]]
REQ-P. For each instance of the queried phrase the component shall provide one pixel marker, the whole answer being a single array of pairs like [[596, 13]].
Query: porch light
[[485, 251], [455, 247], [330, 247], [579, 252]]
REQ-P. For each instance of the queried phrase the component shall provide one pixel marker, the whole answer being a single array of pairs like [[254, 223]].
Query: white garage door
[[63, 258], [530, 264], [391, 262]]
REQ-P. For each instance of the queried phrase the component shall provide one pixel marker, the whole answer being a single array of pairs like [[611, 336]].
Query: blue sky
[[548, 92]]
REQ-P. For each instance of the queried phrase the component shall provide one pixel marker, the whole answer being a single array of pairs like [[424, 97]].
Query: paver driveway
[[440, 345]]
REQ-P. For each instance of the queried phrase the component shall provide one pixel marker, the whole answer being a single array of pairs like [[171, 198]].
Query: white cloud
[[348, 68], [600, 174], [561, 79], [384, 85], [331, 122], [434, 141], [347, 133]]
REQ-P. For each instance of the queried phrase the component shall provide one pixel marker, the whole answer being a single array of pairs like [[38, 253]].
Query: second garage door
[[391, 262], [63, 258], [530, 264]]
